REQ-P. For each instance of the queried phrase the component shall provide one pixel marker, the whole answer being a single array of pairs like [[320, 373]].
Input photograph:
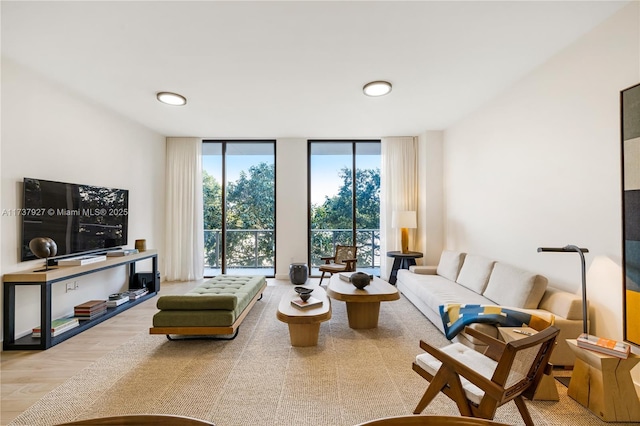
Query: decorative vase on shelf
[[360, 280], [298, 273]]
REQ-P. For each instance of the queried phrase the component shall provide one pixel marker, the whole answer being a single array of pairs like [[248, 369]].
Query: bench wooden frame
[[210, 331]]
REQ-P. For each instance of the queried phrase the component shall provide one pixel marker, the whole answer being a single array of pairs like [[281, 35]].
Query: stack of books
[[137, 293], [90, 310], [605, 346], [310, 303], [58, 326], [117, 299]]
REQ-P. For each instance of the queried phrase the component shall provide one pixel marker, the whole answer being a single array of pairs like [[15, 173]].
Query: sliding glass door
[[239, 207], [344, 197]]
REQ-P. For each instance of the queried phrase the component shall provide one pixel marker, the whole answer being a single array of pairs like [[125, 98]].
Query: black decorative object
[[360, 280], [298, 273], [304, 292], [43, 248]]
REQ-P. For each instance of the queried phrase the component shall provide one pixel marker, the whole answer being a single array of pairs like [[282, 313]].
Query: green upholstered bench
[[216, 307]]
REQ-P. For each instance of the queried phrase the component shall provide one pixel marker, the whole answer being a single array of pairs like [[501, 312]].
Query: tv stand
[[45, 279]]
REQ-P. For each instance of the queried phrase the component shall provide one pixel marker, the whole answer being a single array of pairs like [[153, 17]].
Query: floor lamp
[[581, 251]]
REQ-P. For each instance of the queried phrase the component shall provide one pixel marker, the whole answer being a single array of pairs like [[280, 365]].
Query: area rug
[[351, 376]]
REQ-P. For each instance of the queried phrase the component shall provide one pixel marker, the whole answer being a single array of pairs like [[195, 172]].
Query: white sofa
[[472, 279]]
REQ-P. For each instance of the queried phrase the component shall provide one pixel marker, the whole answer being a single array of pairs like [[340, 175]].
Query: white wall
[[540, 166], [291, 204], [49, 133]]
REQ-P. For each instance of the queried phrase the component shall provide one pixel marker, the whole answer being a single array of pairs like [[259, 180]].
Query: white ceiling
[[293, 68]]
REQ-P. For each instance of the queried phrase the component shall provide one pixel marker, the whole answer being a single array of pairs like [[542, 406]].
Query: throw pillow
[[475, 272], [511, 286], [449, 265]]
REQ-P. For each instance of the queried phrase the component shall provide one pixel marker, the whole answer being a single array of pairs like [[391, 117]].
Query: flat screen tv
[[79, 218]]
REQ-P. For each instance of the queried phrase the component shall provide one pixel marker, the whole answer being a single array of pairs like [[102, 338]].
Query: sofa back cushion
[[475, 272], [449, 265], [511, 286]]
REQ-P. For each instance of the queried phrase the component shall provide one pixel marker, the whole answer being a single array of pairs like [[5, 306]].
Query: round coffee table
[[304, 324]]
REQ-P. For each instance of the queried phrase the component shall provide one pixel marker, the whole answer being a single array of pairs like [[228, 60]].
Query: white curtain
[[184, 245], [398, 191]]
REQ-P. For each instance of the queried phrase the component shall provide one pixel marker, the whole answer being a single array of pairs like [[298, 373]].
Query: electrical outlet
[[72, 286]]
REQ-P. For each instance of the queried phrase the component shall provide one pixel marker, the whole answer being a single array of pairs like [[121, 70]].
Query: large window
[[344, 197], [239, 207]]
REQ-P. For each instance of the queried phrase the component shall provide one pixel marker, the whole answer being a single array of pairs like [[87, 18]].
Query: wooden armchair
[[479, 383], [344, 260]]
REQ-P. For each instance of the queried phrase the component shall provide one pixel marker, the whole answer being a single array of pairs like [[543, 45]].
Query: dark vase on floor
[[298, 273]]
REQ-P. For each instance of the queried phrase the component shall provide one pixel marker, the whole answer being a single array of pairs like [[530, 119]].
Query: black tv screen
[[79, 218]]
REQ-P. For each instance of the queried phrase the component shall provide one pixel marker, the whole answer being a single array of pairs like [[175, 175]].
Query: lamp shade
[[404, 219]]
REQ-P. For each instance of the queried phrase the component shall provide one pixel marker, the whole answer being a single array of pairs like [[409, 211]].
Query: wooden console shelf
[[45, 279]]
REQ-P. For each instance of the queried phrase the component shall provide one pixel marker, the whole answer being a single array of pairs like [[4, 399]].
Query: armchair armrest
[[423, 270], [327, 259], [350, 264]]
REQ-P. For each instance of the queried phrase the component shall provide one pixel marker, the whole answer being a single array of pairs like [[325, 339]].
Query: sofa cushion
[[450, 263], [435, 290], [475, 272], [511, 286]]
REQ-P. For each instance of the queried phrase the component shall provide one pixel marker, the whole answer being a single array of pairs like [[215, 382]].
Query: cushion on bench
[[216, 302]]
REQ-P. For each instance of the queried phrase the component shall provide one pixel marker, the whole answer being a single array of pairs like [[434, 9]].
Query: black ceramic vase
[[298, 273], [360, 280]]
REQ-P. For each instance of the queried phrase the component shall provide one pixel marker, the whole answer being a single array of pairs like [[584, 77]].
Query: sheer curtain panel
[[398, 191], [184, 260]]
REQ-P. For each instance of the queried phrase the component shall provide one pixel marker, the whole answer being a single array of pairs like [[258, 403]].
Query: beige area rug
[[351, 376]]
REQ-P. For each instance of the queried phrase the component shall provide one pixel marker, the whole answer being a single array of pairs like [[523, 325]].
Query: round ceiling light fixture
[[170, 98], [377, 88]]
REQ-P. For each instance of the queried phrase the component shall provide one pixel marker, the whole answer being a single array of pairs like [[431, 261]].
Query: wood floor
[[27, 376]]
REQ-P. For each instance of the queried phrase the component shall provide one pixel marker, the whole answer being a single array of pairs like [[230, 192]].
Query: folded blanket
[[456, 316]]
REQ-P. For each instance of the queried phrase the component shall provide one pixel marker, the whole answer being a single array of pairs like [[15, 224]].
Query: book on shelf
[[138, 294], [81, 260], [118, 296], [58, 326], [117, 302], [346, 276], [301, 304], [89, 316], [90, 306], [605, 346], [122, 252]]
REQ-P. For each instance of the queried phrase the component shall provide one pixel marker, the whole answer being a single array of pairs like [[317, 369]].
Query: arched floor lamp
[[581, 251]]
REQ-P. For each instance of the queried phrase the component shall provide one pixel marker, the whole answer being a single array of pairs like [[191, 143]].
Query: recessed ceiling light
[[377, 88], [171, 98]]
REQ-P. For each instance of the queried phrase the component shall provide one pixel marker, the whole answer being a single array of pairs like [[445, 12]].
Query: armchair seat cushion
[[467, 356], [333, 267]]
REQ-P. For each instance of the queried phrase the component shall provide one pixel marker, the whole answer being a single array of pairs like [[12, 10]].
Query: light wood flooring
[[27, 376]]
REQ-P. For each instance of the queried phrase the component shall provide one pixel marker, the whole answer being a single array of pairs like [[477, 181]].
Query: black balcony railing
[[254, 248]]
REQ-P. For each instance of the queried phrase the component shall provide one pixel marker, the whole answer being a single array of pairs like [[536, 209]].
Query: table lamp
[[404, 219], [580, 251]]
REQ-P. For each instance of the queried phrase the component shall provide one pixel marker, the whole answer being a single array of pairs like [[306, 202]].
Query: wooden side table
[[603, 384], [546, 390], [401, 261]]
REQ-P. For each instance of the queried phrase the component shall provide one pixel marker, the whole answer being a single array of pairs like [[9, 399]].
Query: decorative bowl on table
[[360, 280], [304, 292]]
